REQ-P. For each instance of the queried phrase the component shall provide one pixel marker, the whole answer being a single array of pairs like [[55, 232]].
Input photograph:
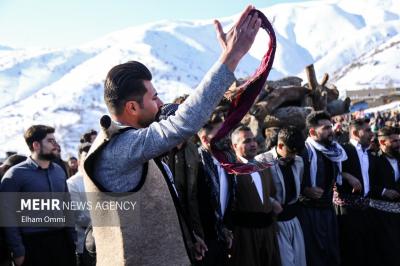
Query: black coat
[[352, 166], [382, 177], [209, 201]]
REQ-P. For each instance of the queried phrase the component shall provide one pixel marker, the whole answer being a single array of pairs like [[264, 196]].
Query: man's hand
[[200, 248], [19, 260], [276, 207], [238, 40], [353, 182], [228, 237], [391, 194], [313, 192]]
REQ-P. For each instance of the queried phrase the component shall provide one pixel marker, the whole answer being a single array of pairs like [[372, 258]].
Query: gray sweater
[[119, 166]]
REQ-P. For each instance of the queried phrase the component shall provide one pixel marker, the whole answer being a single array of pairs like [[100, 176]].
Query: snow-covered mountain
[[357, 42]]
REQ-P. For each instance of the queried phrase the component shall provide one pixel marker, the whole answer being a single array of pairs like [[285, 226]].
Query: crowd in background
[[296, 212]]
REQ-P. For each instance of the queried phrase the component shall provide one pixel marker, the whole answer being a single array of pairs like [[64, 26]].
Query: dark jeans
[[49, 248]]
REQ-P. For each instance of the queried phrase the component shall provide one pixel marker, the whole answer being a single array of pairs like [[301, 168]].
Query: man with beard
[[253, 209], [322, 168], [39, 245], [385, 198], [123, 158], [351, 202]]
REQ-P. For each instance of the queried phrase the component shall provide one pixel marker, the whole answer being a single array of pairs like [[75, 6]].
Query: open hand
[[353, 182], [238, 40], [356, 184]]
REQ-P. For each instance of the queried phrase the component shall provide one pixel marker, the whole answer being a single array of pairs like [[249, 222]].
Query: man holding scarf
[[322, 168], [122, 158]]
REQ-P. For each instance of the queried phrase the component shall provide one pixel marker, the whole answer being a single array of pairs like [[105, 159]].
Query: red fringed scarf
[[247, 93]]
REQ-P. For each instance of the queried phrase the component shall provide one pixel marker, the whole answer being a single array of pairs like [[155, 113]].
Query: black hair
[[36, 133], [312, 120], [83, 147], [14, 159], [209, 126], [271, 137], [124, 83], [359, 123], [387, 131], [87, 137], [292, 138]]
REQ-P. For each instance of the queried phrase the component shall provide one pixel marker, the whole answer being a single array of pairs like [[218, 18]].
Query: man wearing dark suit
[[254, 209], [385, 197], [322, 169], [352, 202], [214, 194]]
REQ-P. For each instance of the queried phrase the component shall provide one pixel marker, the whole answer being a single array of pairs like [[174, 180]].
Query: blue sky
[[62, 23]]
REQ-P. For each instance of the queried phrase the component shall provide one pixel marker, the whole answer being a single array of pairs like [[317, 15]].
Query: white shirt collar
[[357, 145], [244, 160]]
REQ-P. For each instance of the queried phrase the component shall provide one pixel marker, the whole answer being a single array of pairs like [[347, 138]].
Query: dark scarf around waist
[[289, 212], [252, 219]]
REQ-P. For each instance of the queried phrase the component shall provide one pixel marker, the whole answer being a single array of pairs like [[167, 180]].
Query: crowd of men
[[321, 203], [318, 203]]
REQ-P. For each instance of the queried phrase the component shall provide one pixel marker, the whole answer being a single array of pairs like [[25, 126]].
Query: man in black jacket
[[352, 199], [254, 209], [385, 197], [322, 168], [214, 193]]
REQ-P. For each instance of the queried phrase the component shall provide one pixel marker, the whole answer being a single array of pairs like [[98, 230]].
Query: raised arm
[[131, 149], [238, 40], [160, 137]]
